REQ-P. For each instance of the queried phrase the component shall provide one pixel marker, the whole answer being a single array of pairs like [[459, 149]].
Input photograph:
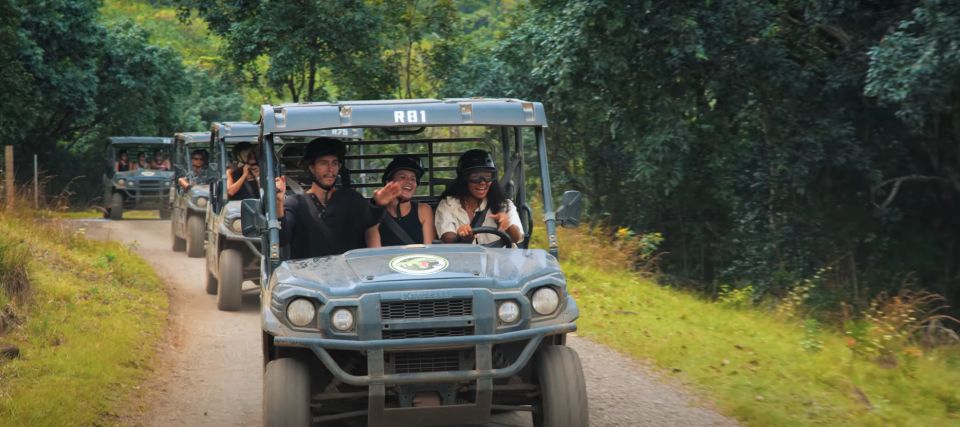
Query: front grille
[[426, 309], [427, 333], [428, 361]]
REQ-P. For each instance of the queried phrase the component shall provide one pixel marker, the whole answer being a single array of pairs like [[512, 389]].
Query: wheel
[[116, 207], [231, 280], [164, 213], [194, 236], [563, 390], [211, 283], [178, 244], [286, 393]]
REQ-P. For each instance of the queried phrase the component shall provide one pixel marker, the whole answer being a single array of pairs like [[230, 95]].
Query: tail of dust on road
[[211, 368]]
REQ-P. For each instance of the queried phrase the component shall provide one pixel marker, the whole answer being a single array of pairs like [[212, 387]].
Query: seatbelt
[[317, 216], [395, 227]]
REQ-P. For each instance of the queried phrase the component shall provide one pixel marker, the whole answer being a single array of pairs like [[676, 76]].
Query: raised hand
[[281, 184], [387, 194]]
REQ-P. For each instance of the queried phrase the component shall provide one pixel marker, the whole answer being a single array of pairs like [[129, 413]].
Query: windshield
[[131, 157]]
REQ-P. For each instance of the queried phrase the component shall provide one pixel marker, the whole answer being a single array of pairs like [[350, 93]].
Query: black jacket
[[339, 228]]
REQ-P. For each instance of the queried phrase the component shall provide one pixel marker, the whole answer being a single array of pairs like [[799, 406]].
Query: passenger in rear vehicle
[[475, 199], [406, 221], [243, 182], [123, 162], [142, 161]]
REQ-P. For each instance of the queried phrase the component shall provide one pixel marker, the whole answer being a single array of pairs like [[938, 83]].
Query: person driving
[[475, 199], [326, 220], [199, 173], [406, 221], [243, 182], [142, 161]]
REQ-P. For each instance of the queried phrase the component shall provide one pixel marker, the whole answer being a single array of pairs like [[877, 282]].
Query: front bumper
[[478, 412], [375, 350]]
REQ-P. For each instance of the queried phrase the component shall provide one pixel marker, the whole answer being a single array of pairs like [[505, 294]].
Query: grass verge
[[759, 368], [84, 328]]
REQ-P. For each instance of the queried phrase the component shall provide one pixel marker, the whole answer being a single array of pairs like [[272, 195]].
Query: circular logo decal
[[418, 264], [148, 173]]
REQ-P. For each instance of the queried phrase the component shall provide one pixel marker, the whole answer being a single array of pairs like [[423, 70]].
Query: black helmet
[[323, 147], [410, 163], [475, 159]]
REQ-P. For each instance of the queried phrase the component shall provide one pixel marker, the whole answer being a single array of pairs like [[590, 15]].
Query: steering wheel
[[504, 242]]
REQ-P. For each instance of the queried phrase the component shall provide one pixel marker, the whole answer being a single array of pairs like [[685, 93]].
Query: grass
[[754, 366], [97, 214], [85, 329]]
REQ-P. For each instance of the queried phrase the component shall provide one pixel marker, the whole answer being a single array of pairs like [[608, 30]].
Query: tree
[[313, 48]]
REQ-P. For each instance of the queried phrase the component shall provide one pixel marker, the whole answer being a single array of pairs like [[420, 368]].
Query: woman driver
[[475, 199], [406, 221]]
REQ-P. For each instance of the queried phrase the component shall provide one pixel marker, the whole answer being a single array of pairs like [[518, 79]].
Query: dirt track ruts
[[210, 367]]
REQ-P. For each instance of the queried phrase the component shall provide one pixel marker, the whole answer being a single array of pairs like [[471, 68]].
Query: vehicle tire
[[563, 390], [211, 283], [194, 236], [178, 244], [231, 280], [286, 393], [116, 207]]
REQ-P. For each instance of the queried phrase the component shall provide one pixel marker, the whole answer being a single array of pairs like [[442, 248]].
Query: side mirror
[[571, 207], [251, 218]]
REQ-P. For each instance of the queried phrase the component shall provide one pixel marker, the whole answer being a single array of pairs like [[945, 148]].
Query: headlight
[[508, 312], [300, 312], [166, 183], [132, 183], [201, 202], [545, 300], [342, 319], [121, 182], [236, 226]]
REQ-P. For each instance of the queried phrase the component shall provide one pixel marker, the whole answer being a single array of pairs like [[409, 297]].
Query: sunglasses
[[476, 179]]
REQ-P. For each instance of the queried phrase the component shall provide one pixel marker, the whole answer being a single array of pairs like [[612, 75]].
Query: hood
[[418, 267], [145, 174]]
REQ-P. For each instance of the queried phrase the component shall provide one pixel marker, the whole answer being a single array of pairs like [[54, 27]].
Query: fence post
[[36, 185], [8, 174]]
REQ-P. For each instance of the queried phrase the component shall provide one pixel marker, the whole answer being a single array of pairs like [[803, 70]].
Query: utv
[[233, 258], [189, 205], [136, 186], [417, 335]]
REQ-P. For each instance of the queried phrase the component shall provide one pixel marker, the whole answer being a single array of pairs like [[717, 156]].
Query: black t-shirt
[[249, 190], [338, 228], [409, 223]]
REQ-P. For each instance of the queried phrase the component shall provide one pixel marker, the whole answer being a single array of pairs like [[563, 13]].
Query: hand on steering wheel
[[504, 242]]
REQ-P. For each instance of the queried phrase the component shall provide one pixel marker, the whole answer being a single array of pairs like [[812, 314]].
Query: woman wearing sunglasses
[[243, 182], [475, 199]]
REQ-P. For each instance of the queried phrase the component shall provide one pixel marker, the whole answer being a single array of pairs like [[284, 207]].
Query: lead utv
[[140, 187], [441, 334]]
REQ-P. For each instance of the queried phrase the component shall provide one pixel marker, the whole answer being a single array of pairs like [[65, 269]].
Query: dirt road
[[211, 367]]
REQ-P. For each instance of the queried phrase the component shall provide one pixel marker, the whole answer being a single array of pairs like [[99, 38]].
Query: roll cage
[[515, 121]]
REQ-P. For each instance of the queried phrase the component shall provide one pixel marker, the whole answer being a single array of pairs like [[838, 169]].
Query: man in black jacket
[[327, 220]]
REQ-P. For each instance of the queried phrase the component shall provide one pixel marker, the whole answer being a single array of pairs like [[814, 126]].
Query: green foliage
[[90, 328], [736, 297], [747, 133]]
